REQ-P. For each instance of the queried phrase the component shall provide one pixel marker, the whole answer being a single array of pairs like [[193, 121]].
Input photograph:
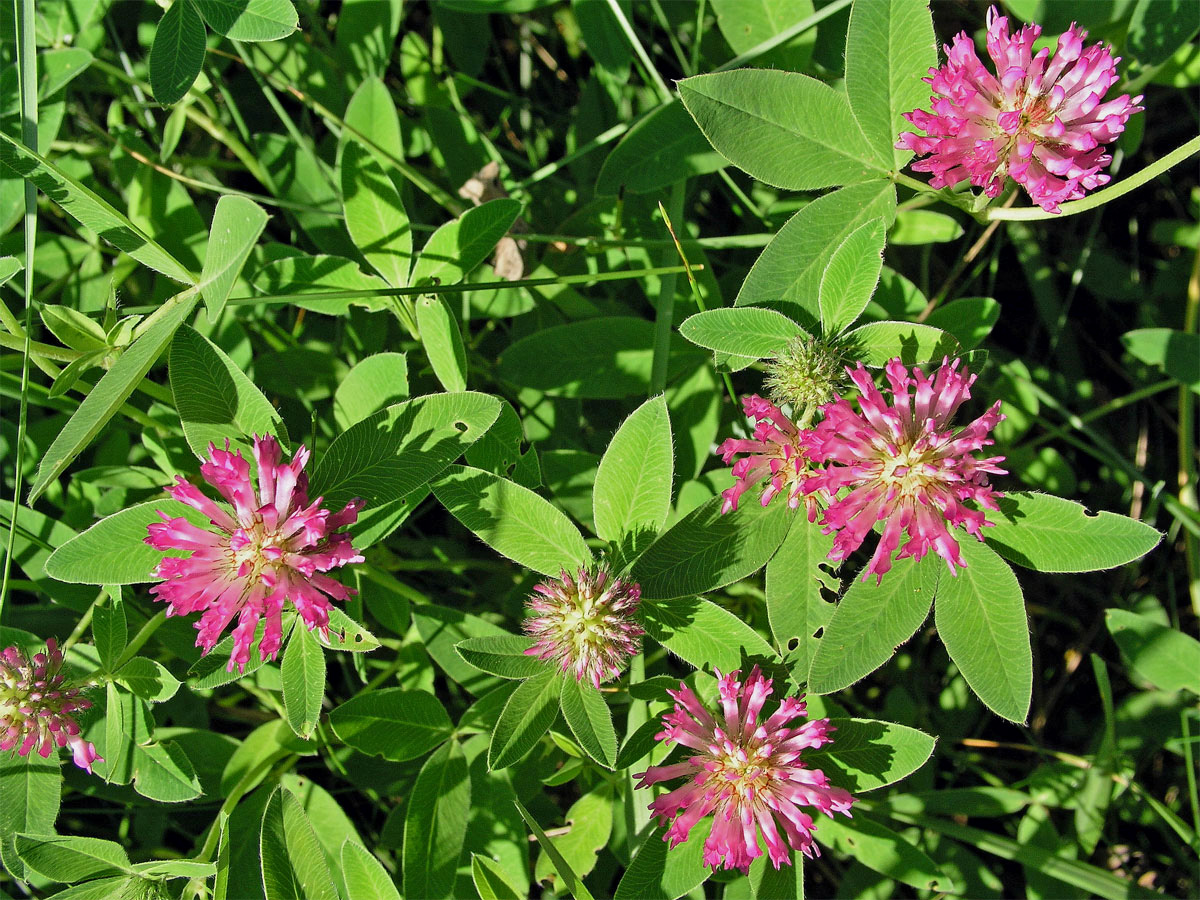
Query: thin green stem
[[1120, 189], [27, 80], [1100, 412], [587, 278], [37, 348], [139, 640], [553, 167], [664, 309], [664, 92], [1187, 443]]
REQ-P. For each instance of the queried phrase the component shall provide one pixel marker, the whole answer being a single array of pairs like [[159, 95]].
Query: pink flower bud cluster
[[270, 548], [744, 772], [1041, 119], [896, 461], [36, 707]]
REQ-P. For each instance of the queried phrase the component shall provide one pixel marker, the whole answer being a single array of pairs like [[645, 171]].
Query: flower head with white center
[[585, 623], [774, 454], [36, 706], [746, 773], [270, 548], [1041, 119], [905, 465]]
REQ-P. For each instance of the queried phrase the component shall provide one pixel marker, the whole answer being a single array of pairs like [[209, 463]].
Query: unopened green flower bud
[[806, 374]]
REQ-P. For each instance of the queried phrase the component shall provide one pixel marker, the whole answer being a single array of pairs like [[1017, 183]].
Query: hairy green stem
[[1112, 192], [1187, 443]]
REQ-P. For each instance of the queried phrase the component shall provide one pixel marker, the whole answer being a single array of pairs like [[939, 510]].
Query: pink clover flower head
[[775, 454], [904, 465], [747, 773], [265, 548], [585, 623], [36, 707], [1041, 119]]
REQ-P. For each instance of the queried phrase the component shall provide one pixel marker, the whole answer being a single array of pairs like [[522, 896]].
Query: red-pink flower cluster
[[36, 707], [270, 548], [746, 773], [899, 462], [1040, 119], [904, 465], [775, 454], [585, 624]]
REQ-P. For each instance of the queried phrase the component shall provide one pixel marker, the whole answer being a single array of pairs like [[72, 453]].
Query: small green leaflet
[[435, 824], [177, 53], [303, 675], [236, 226], [632, 494]]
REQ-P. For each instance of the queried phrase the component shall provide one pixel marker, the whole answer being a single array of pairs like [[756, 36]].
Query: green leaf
[[293, 864], [114, 550], [502, 655], [980, 614], [392, 453], [176, 868], [366, 878], [969, 319], [705, 550], [747, 23], [303, 675], [443, 342], [435, 824], [88, 208], [796, 608], [890, 48], [103, 401], [489, 880], [177, 54], [573, 883], [924, 226], [460, 245], [1166, 657], [589, 719], [871, 621], [746, 331], [785, 129], [632, 495], [790, 268], [236, 225], [345, 635], [1050, 534], [880, 848], [64, 858], [972, 801], [1174, 352], [867, 754], [375, 215], [525, 719], [249, 20], [215, 399], [603, 358], [392, 723], [73, 328], [512, 520], [659, 873], [374, 382], [30, 794], [147, 679], [878, 343], [851, 277], [372, 113], [702, 633], [163, 772], [319, 274], [109, 630], [661, 148]]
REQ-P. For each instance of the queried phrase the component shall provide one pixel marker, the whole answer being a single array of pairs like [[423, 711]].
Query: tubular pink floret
[[269, 549], [745, 772], [903, 464], [775, 455], [36, 706], [1039, 120], [585, 624]]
